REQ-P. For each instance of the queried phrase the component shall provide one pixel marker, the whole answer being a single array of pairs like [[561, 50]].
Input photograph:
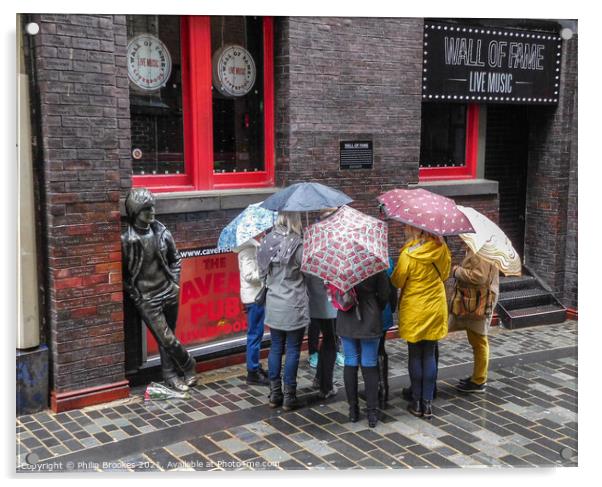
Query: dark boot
[[383, 381], [276, 397], [427, 409], [290, 398], [370, 375], [415, 408], [257, 378], [350, 377]]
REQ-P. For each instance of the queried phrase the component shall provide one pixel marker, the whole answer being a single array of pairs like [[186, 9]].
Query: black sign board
[[356, 154], [490, 65]]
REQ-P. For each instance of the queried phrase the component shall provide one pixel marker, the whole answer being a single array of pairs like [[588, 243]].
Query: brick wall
[[551, 226], [348, 79], [82, 79]]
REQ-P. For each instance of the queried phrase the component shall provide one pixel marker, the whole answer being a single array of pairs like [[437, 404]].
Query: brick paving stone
[[439, 460], [413, 461], [458, 445], [307, 458], [232, 445], [370, 463], [503, 421], [181, 449], [515, 461], [275, 455], [339, 461]]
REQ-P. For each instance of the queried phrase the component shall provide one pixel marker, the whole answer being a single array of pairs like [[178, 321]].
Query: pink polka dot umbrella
[[427, 211]]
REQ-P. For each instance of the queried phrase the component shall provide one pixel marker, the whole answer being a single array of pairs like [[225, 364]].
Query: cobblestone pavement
[[527, 417]]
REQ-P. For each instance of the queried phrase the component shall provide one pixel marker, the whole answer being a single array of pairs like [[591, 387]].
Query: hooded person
[[250, 287], [475, 273], [151, 278], [286, 305], [422, 268]]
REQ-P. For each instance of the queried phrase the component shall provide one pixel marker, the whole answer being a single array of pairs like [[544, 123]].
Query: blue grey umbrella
[[306, 197]]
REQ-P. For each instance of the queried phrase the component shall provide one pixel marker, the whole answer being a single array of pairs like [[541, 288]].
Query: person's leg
[[327, 356], [291, 366], [429, 369], [383, 373], [369, 360], [255, 316], [480, 349], [313, 337], [278, 338], [415, 371], [350, 370]]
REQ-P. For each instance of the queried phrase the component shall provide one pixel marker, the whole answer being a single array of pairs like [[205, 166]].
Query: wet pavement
[[527, 418]]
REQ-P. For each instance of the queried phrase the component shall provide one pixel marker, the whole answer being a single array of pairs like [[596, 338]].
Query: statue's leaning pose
[[151, 269]]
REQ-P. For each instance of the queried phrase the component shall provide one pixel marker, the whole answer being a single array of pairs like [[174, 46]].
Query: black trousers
[[327, 353], [160, 314]]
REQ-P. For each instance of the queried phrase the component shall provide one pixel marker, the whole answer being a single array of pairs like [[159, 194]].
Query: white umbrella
[[491, 243]]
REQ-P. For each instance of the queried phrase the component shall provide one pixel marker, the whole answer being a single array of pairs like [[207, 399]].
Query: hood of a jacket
[[248, 244], [426, 251]]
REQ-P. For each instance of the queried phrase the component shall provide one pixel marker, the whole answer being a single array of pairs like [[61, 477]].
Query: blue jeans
[[291, 342], [364, 350], [255, 315], [422, 366]]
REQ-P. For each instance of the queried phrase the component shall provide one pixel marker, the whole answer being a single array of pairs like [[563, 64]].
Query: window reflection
[[238, 133], [443, 135], [156, 115]]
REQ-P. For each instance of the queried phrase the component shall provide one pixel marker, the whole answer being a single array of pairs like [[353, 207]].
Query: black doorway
[[506, 158]]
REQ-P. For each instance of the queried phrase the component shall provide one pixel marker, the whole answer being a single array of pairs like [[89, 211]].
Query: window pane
[[155, 94], [238, 132], [443, 136]]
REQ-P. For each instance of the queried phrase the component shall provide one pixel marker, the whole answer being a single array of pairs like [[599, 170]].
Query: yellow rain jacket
[[422, 302]]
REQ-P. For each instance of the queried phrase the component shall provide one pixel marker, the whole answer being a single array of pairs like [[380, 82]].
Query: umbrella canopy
[[306, 197], [425, 210], [251, 222], [345, 248], [491, 243]]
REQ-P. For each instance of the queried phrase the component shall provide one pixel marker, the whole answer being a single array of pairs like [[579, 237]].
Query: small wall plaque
[[356, 154]]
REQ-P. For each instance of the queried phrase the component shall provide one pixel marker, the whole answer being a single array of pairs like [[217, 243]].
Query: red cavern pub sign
[[210, 306]]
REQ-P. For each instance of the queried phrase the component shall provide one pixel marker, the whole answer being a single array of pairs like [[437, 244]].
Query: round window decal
[[233, 71], [149, 62]]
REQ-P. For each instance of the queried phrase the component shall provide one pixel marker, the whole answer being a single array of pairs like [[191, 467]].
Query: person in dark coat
[[361, 333]]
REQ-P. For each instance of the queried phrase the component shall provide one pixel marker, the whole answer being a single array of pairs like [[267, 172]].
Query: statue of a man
[[151, 268]]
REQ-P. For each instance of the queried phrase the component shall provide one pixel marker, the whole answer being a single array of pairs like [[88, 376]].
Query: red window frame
[[197, 107], [469, 170]]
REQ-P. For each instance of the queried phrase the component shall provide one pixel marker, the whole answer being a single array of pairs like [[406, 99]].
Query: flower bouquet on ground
[[159, 392]]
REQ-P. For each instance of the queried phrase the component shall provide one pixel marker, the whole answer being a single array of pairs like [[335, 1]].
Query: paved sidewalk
[[527, 417]]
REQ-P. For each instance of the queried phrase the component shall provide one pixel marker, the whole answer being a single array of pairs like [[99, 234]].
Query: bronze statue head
[[137, 200]]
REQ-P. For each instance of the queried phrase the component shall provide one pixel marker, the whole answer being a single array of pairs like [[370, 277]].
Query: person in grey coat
[[361, 336], [286, 305]]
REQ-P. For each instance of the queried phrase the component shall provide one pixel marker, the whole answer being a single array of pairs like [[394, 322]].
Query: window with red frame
[[449, 141], [200, 130]]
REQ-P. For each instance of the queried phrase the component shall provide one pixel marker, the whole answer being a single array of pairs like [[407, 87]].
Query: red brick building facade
[[332, 79]]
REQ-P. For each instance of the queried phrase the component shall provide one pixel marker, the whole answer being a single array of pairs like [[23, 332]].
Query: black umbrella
[[306, 197]]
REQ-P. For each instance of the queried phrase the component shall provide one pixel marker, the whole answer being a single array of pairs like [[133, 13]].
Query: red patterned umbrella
[[425, 210], [346, 248]]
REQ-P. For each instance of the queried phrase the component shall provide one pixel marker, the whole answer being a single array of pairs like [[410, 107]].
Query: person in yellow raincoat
[[423, 266]]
